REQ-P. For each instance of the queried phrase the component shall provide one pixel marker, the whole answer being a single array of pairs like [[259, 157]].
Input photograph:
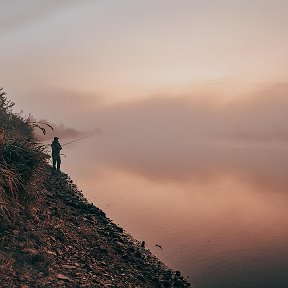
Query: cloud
[[183, 121], [180, 140]]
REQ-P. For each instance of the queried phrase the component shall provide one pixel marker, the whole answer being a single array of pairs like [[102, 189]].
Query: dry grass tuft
[[21, 159], [9, 188]]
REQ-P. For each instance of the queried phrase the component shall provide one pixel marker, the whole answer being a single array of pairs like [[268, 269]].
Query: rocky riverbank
[[68, 242]]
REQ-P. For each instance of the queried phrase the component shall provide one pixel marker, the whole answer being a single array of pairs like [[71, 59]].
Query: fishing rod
[[78, 139], [97, 131]]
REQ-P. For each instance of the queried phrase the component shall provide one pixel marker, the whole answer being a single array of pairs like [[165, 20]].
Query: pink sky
[[111, 51]]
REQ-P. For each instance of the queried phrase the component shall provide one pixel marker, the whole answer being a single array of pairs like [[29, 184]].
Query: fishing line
[[79, 139]]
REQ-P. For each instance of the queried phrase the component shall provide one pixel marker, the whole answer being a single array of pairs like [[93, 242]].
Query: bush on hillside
[[21, 158], [13, 123]]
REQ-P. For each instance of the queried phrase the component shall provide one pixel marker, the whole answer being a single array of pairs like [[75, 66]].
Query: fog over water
[[206, 181]]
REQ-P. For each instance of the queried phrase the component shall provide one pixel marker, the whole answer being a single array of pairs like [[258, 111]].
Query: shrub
[[21, 157], [13, 123]]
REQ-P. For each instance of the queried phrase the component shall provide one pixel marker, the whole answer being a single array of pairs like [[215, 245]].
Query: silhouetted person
[[56, 148]]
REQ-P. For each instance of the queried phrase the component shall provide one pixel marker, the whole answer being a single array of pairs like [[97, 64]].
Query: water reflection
[[218, 210]]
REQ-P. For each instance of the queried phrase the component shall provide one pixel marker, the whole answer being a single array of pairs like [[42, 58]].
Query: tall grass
[[21, 159]]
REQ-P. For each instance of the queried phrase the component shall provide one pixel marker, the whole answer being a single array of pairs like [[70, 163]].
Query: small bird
[[157, 245]]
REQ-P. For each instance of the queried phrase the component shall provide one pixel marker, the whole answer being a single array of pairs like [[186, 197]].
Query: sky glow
[[125, 50]]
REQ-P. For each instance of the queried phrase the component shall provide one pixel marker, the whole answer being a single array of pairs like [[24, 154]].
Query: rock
[[62, 277], [69, 267], [30, 251], [51, 253], [25, 277]]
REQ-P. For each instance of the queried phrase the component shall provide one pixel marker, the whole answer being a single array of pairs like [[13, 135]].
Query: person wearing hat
[[56, 148]]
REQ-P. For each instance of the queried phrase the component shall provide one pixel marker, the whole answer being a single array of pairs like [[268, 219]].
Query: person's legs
[[54, 160], [58, 162]]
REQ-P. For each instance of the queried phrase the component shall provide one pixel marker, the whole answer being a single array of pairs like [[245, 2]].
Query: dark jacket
[[56, 148]]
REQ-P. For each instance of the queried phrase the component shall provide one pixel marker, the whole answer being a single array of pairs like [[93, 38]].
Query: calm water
[[218, 210]]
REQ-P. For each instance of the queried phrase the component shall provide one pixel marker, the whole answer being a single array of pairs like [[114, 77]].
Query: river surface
[[219, 210]]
